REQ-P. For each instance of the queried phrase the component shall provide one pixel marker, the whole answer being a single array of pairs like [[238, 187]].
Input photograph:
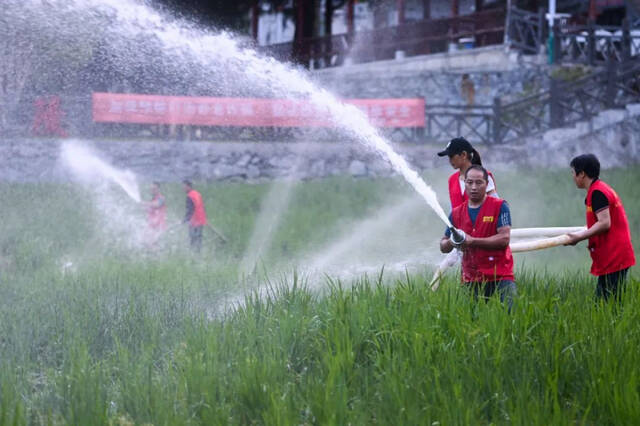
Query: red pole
[[479, 5], [455, 8], [254, 19], [400, 12], [300, 4], [350, 14], [593, 11]]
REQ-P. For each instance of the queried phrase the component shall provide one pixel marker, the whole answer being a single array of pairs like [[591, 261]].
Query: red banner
[[247, 112]]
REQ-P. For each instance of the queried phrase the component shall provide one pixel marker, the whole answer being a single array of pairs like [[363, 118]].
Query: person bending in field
[[195, 216], [156, 214], [487, 263], [607, 229]]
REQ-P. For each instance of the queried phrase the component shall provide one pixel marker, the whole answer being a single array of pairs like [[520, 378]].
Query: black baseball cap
[[456, 146]]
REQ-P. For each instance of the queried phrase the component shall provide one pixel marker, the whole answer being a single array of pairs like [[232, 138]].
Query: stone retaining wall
[[613, 135]]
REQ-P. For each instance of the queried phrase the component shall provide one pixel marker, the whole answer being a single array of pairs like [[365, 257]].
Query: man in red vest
[[607, 229], [484, 223], [195, 216]]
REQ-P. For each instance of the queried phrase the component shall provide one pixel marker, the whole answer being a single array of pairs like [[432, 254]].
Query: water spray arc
[[241, 70], [87, 166], [272, 207], [114, 192]]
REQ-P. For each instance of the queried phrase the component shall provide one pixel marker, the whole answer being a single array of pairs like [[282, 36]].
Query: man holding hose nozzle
[[607, 229], [482, 230]]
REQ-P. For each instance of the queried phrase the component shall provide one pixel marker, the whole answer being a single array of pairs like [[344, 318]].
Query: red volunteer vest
[[199, 217], [157, 216], [611, 251], [481, 265], [456, 195]]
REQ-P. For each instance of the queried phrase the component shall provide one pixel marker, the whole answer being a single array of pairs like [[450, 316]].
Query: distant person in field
[[156, 213], [487, 263], [607, 229], [462, 156], [195, 215]]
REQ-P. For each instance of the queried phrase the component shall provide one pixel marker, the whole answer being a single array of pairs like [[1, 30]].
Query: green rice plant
[[129, 337]]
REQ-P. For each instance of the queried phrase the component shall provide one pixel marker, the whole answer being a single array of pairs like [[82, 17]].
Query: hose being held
[[544, 238], [457, 236]]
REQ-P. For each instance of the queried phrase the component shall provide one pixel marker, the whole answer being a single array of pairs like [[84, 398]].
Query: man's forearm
[[597, 229], [499, 241]]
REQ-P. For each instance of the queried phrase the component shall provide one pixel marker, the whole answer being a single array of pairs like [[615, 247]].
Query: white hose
[[557, 236], [544, 243], [450, 259], [544, 232]]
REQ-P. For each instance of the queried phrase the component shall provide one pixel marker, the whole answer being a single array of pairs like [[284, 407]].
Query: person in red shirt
[[156, 214], [156, 209], [195, 215], [487, 263], [462, 156], [607, 229]]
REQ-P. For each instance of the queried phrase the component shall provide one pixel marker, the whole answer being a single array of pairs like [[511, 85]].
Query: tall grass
[[370, 352], [163, 339]]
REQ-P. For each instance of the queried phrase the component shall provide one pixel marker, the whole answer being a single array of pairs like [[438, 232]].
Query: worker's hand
[[468, 242], [574, 239]]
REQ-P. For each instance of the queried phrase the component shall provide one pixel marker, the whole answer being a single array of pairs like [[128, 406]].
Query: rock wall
[[491, 72], [613, 135], [30, 160]]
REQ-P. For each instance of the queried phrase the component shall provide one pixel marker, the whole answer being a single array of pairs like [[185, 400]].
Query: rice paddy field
[[316, 311]]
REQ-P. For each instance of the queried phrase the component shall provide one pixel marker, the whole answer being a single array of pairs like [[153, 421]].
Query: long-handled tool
[[218, 233]]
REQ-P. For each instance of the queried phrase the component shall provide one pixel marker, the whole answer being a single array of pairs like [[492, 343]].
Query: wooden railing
[[586, 44], [567, 103], [526, 30], [563, 105], [595, 45], [416, 38], [445, 122]]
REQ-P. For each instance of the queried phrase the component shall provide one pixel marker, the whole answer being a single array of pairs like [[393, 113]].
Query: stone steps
[[601, 120], [613, 135]]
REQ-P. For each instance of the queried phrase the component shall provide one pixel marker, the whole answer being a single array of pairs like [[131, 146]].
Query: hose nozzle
[[457, 236]]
